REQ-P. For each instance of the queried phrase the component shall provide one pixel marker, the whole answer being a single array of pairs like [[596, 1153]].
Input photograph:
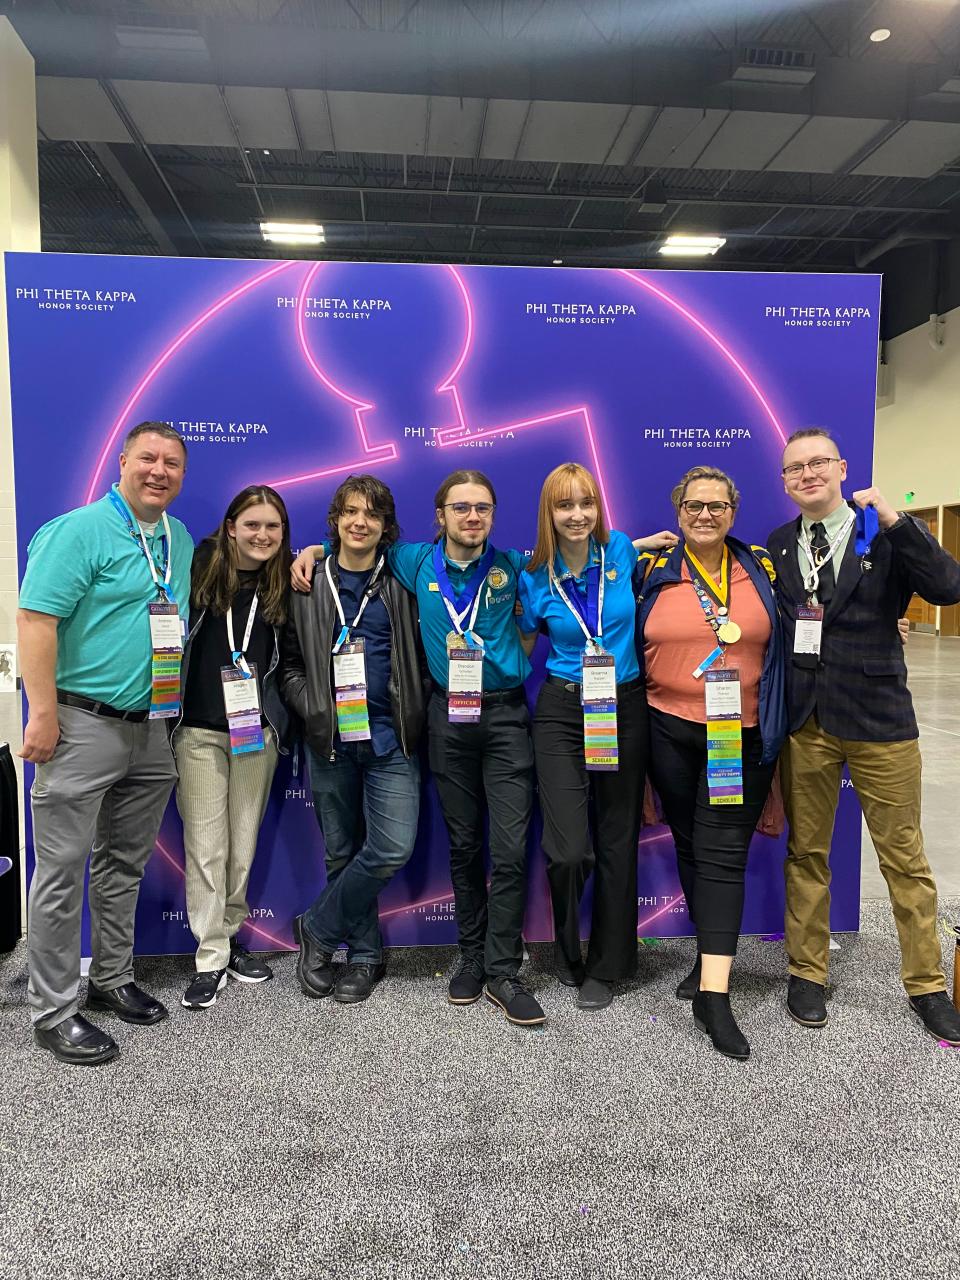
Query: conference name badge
[[809, 629], [241, 701], [350, 688], [166, 644], [464, 683], [598, 692], [724, 735]]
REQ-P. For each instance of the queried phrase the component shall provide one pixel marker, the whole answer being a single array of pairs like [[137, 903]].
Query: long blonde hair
[[558, 486]]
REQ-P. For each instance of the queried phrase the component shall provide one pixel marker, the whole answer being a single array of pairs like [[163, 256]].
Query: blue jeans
[[367, 807]]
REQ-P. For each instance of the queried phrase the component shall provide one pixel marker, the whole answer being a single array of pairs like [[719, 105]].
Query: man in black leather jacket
[[353, 673]]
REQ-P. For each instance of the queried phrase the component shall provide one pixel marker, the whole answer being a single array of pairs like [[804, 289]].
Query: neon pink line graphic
[[642, 924], [161, 360], [373, 453], [709, 334], [280, 943]]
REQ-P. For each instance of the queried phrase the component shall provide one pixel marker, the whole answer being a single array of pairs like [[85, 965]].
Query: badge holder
[[166, 643], [241, 701], [350, 688], [464, 682], [724, 735], [807, 635], [598, 684]]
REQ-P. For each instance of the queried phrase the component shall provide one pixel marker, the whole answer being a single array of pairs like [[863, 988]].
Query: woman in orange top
[[708, 640]]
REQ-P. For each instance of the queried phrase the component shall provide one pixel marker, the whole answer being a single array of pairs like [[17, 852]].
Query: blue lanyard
[[465, 602], [589, 611], [162, 579]]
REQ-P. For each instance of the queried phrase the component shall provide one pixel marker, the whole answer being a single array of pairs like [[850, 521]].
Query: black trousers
[[9, 848], [485, 771], [711, 840], [591, 823]]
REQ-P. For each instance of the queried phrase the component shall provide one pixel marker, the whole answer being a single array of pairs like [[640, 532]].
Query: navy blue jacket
[[756, 561], [858, 688]]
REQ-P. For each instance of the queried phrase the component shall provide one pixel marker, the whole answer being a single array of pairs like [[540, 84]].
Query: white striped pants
[[222, 799]]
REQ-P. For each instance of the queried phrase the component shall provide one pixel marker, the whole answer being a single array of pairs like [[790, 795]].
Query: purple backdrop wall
[[296, 374]]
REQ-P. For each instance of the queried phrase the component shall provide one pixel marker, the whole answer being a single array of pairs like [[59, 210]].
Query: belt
[[573, 686], [516, 694], [98, 708]]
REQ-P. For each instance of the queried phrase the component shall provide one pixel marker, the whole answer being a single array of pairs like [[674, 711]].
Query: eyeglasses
[[464, 508], [693, 508], [816, 466]]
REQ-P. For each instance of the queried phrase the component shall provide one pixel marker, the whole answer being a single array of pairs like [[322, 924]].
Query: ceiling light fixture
[[881, 34], [292, 232], [558, 262], [680, 246]]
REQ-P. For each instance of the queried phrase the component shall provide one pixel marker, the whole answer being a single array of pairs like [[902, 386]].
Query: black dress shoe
[[806, 1002], [594, 994], [314, 965], [128, 1002], [77, 1041], [689, 987], [712, 1014], [940, 1019], [357, 981], [571, 975]]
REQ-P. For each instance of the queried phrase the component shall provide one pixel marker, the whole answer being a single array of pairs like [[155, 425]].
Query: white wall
[[917, 446], [19, 230]]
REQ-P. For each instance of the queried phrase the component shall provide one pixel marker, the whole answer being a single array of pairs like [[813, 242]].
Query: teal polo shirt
[[505, 664], [543, 604], [86, 569]]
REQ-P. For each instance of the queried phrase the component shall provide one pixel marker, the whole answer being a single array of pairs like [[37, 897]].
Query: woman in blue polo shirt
[[591, 753]]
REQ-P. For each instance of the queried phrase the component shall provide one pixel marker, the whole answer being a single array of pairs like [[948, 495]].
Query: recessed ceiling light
[[881, 34], [265, 151], [292, 232], [680, 246], [558, 262]]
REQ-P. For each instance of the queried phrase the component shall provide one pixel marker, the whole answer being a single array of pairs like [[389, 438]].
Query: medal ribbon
[[868, 526], [371, 588], [163, 592], [706, 587], [589, 612], [469, 592]]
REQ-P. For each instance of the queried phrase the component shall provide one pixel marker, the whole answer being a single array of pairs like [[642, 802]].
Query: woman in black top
[[232, 724]]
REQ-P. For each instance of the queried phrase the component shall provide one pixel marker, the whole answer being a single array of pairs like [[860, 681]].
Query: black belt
[[573, 686], [516, 694], [98, 708]]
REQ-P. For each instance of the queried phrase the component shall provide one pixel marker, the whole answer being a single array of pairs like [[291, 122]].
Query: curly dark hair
[[378, 498]]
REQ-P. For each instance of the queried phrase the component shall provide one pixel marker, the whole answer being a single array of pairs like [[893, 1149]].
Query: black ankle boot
[[691, 983], [713, 1015]]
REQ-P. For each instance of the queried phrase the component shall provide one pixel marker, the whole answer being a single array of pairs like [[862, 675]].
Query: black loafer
[[77, 1041], [314, 965], [594, 994], [128, 1002], [940, 1019], [571, 975], [357, 982], [806, 1002]]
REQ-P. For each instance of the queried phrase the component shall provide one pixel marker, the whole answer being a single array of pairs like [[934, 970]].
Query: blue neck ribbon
[[866, 529], [463, 599]]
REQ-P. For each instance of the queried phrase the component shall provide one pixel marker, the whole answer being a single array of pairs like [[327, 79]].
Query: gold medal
[[455, 640], [729, 632]]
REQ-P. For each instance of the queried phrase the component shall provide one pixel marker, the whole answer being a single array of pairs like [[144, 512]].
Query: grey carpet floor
[[275, 1137]]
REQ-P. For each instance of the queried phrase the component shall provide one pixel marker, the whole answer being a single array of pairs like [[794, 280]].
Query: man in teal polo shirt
[[479, 744], [100, 625]]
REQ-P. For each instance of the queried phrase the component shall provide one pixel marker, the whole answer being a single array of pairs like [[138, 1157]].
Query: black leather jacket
[[307, 679]]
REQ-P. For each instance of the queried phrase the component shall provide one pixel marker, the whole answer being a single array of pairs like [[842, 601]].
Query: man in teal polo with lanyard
[[480, 752], [102, 607]]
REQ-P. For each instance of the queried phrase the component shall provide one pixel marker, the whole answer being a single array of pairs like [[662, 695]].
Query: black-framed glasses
[[693, 507], [816, 466], [464, 508]]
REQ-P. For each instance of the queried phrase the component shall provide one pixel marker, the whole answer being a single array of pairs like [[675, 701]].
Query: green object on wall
[[909, 496]]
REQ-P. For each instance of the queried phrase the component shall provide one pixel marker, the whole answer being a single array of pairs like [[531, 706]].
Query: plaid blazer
[[859, 687]]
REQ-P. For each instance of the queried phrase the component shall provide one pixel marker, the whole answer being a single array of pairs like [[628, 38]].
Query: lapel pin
[[783, 551]]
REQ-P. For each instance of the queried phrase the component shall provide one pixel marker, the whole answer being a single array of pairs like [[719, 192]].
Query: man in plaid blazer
[[848, 702]]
